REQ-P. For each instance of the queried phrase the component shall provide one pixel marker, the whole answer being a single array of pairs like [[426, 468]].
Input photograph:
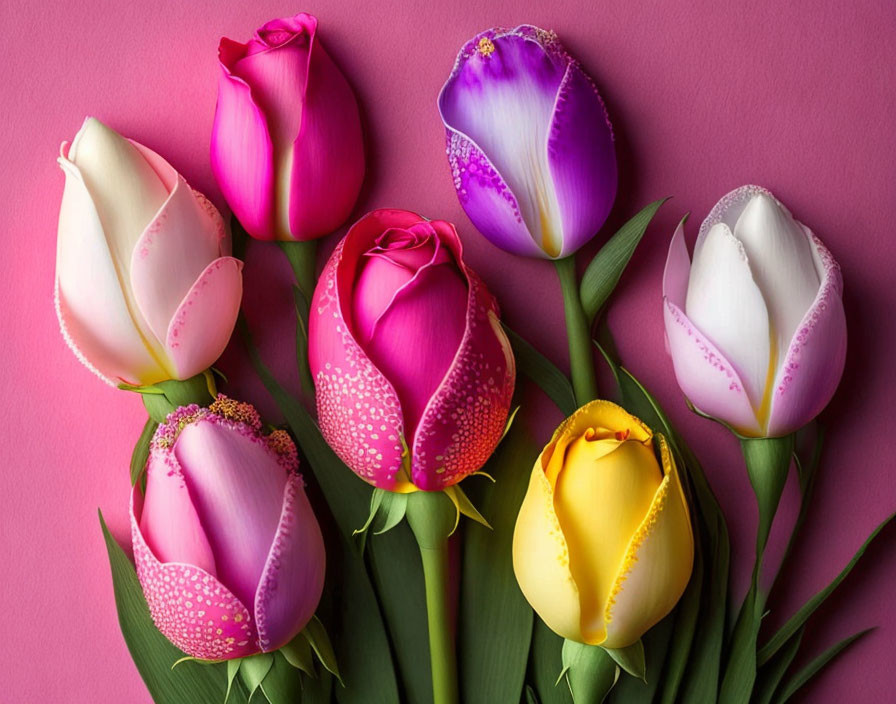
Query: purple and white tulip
[[755, 326], [529, 143], [228, 551], [413, 372]]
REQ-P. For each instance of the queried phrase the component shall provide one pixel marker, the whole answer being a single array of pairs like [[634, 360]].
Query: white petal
[[782, 263], [125, 189], [725, 304]]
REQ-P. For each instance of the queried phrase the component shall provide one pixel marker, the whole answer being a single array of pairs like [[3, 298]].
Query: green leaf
[[254, 669], [795, 622], [531, 697], [153, 654], [545, 662], [631, 659], [590, 672], [282, 684], [770, 676], [141, 450], [543, 372], [317, 637], [604, 271], [813, 668], [365, 658], [495, 621]]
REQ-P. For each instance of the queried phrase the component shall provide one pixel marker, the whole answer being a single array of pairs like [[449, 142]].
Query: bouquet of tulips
[[401, 537]]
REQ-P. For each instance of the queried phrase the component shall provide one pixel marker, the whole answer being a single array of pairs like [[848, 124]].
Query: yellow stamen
[[486, 46]]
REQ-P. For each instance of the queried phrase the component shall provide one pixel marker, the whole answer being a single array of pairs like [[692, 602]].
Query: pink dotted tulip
[[286, 144], [755, 325], [413, 372], [145, 289], [228, 551]]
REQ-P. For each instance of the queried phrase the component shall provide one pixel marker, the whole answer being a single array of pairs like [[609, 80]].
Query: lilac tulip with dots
[[529, 143]]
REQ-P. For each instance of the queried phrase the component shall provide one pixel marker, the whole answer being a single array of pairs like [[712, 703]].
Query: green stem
[[578, 330], [768, 461], [302, 258], [431, 516]]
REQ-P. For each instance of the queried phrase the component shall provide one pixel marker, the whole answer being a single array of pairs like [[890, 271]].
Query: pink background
[[799, 98]]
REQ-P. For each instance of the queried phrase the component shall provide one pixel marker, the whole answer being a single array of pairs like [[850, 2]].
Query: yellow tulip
[[603, 546]]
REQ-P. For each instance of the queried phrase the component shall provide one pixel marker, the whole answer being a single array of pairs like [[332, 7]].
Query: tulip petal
[[499, 101], [202, 324], [582, 159], [657, 564], [231, 473], [296, 559], [813, 365], [541, 559], [780, 258], [466, 416], [188, 605], [89, 288], [185, 235], [242, 157], [725, 304], [322, 197], [358, 409], [169, 521]]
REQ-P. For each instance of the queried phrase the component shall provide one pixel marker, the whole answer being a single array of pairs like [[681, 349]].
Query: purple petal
[[466, 416], [814, 362], [293, 577], [582, 159], [236, 482], [190, 606]]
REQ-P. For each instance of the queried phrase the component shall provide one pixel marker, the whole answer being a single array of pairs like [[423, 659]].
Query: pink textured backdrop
[[704, 97]]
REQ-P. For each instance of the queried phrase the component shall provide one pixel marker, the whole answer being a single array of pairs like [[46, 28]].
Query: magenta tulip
[[529, 143], [286, 143], [145, 289], [413, 372], [755, 325], [228, 551]]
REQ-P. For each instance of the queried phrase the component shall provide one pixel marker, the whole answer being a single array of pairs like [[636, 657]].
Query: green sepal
[[298, 654], [253, 670], [317, 638], [166, 396], [631, 659], [282, 684], [141, 450], [507, 426], [233, 667], [605, 269], [198, 661], [589, 670], [387, 508], [464, 506]]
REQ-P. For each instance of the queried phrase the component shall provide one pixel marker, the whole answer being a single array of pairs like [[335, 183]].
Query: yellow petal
[[541, 559], [604, 491], [657, 564]]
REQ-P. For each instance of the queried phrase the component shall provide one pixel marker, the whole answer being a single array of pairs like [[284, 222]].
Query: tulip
[[412, 370], [145, 291], [755, 327], [286, 144], [603, 546], [228, 551], [529, 143]]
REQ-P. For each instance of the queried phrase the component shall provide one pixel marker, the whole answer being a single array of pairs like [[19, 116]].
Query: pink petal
[[241, 150], [466, 416], [358, 409], [169, 522], [328, 155], [190, 606], [181, 241], [202, 324], [812, 368], [293, 576], [236, 482], [705, 376]]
